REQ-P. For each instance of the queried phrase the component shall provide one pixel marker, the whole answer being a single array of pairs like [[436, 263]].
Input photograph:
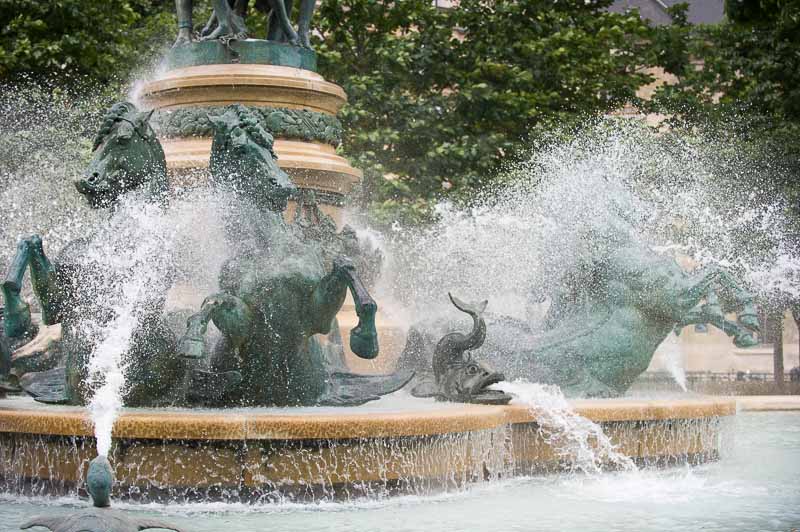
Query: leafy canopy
[[439, 99]]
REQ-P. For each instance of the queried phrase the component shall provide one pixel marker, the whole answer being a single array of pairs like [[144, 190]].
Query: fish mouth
[[481, 393]]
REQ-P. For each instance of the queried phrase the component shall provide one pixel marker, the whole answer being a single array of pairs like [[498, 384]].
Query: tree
[[742, 79], [101, 41], [439, 99]]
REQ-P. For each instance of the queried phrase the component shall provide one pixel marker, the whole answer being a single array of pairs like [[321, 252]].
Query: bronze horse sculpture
[[127, 159], [280, 292], [606, 318]]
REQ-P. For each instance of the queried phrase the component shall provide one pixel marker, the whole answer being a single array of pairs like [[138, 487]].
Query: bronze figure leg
[[17, 312], [184, 10]]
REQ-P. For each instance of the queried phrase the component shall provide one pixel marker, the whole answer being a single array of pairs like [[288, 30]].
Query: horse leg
[[17, 313], [44, 281], [747, 316], [234, 319], [230, 315], [711, 312], [329, 297]]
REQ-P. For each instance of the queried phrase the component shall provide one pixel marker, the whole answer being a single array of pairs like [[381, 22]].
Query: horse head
[[127, 156], [243, 159]]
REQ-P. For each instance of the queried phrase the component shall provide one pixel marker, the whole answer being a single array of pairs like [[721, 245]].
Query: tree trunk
[[796, 316], [777, 348]]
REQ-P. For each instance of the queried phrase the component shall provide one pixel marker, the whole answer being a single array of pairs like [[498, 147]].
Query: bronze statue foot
[[233, 28], [184, 37]]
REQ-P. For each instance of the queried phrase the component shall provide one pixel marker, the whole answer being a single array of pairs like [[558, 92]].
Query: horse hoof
[[363, 345], [745, 340]]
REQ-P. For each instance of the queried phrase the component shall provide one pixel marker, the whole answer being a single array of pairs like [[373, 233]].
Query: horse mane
[[115, 114], [249, 122]]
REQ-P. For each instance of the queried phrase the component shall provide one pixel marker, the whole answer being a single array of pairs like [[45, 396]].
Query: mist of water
[[693, 198]]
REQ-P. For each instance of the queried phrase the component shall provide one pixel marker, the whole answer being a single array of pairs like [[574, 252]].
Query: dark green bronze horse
[[127, 159], [280, 291], [606, 319]]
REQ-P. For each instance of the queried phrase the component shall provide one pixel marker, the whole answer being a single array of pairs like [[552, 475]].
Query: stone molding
[[252, 85], [284, 123]]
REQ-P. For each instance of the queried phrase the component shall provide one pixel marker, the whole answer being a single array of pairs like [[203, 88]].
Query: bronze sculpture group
[[284, 283], [228, 21], [282, 286], [606, 318], [280, 289]]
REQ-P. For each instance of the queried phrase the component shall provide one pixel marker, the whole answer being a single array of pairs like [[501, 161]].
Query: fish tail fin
[[473, 309]]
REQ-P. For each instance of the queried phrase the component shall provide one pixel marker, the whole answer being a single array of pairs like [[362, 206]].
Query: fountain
[[243, 388]]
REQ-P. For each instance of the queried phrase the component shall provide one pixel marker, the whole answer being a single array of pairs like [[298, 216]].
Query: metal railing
[[698, 377]]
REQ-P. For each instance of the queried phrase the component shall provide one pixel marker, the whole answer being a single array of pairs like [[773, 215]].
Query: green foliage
[[102, 40], [742, 75], [740, 81], [438, 99]]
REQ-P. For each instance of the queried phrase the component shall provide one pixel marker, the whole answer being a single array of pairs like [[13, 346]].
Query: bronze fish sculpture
[[99, 518]]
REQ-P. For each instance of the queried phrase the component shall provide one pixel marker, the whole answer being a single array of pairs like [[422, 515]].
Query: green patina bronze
[[227, 22], [606, 319], [452, 373], [99, 518], [127, 159], [280, 291], [299, 124], [243, 160], [246, 52]]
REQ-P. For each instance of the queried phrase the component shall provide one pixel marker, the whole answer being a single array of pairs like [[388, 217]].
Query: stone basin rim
[[252, 424]]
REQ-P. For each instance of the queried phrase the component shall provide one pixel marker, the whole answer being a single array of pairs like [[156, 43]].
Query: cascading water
[[578, 441]]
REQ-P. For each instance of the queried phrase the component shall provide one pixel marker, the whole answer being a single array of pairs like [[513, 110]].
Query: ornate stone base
[[297, 105], [314, 453]]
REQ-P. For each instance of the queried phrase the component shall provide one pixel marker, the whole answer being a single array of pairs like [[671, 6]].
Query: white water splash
[[577, 440], [673, 359], [140, 251], [133, 254]]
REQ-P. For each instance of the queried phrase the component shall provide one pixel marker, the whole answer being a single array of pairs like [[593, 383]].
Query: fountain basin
[[313, 453]]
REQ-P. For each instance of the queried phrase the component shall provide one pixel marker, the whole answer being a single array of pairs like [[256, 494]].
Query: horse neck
[[156, 183]]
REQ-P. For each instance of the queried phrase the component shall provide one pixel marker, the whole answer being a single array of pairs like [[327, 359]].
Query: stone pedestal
[[293, 102]]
